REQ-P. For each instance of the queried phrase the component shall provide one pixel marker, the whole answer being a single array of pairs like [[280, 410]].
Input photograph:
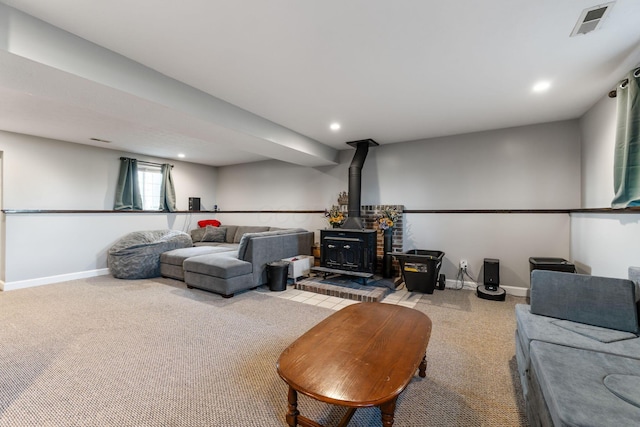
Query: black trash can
[[277, 273], [420, 269], [553, 264]]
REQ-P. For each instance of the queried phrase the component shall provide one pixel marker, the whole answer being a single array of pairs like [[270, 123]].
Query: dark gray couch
[[578, 350], [237, 263]]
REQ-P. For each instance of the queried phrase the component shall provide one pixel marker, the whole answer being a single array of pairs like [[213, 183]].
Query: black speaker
[[491, 273], [194, 203]]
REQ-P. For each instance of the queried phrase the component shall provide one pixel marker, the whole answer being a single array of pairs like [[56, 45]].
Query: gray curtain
[[128, 190], [626, 166], [167, 191]]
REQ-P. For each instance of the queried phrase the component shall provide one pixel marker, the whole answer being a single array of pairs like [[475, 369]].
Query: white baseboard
[[455, 284], [22, 284], [516, 291]]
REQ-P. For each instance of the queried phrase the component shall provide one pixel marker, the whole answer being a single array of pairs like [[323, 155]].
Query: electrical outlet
[[463, 264]]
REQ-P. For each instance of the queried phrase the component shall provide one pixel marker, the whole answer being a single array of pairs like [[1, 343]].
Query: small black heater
[[491, 289]]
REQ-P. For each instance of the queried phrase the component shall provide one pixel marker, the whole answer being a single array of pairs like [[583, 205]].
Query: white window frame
[[150, 180]]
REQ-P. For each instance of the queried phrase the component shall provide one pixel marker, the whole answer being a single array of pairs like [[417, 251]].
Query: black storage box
[[420, 269], [277, 273], [553, 264]]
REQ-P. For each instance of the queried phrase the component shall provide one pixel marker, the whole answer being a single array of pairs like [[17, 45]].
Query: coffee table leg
[[292, 415], [423, 367], [388, 409]]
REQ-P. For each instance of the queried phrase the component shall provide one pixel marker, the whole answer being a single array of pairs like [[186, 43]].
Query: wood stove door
[[342, 253]]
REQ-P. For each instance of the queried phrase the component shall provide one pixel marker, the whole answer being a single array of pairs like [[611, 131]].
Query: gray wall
[[602, 244], [530, 167], [54, 175], [598, 133]]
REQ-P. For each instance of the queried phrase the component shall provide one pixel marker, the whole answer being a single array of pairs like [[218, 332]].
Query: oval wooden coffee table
[[363, 355]]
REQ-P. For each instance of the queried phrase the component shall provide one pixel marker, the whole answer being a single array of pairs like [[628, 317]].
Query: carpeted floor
[[108, 352]]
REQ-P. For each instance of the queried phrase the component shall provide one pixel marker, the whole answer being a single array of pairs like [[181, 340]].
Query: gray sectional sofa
[[230, 258], [578, 350]]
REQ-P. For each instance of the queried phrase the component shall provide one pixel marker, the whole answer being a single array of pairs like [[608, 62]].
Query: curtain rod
[[143, 162], [636, 73], [613, 93]]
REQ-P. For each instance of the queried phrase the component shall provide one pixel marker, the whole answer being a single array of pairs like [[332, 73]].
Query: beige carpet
[[107, 352]]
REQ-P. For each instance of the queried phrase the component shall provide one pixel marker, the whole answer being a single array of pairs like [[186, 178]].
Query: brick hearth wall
[[368, 215]]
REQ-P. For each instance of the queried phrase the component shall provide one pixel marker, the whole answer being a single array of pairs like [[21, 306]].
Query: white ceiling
[[392, 71]]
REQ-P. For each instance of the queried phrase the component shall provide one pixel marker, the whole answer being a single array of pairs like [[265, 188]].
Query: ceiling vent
[[591, 18]]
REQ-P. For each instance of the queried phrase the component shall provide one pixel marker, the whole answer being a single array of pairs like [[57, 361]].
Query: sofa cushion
[[229, 246], [223, 265], [604, 335], [231, 233], [172, 271], [634, 276], [626, 387], [244, 241], [573, 383], [197, 234], [177, 256], [226, 287], [597, 301], [532, 327], [243, 229], [214, 234]]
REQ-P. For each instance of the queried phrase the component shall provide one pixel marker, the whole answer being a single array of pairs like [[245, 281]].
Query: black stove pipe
[[354, 220]]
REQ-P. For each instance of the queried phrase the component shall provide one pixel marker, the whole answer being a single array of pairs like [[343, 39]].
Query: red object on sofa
[[212, 222]]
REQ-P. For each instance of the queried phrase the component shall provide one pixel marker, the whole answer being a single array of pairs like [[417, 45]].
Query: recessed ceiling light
[[541, 86], [181, 155], [335, 126]]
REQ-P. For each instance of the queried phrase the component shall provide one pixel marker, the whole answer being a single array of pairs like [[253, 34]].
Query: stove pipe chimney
[[354, 221]]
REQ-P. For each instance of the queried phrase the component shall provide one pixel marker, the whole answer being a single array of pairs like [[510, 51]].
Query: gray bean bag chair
[[137, 255]]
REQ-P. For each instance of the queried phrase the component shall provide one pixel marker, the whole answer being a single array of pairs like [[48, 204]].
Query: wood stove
[[351, 248], [348, 250]]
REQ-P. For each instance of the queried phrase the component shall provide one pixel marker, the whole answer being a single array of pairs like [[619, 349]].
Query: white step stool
[[299, 266]]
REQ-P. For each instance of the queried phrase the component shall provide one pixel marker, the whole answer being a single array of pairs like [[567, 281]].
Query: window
[[150, 179]]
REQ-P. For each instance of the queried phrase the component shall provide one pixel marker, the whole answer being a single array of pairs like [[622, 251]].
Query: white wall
[[598, 134], [530, 167], [606, 244], [44, 174], [602, 244], [511, 238]]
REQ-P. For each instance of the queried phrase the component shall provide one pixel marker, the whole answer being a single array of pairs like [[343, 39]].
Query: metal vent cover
[[591, 18]]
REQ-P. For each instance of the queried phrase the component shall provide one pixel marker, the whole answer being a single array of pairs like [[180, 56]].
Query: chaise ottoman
[[171, 261], [222, 273]]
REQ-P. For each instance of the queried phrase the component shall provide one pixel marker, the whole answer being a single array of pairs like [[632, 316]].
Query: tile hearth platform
[[341, 287], [399, 296]]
